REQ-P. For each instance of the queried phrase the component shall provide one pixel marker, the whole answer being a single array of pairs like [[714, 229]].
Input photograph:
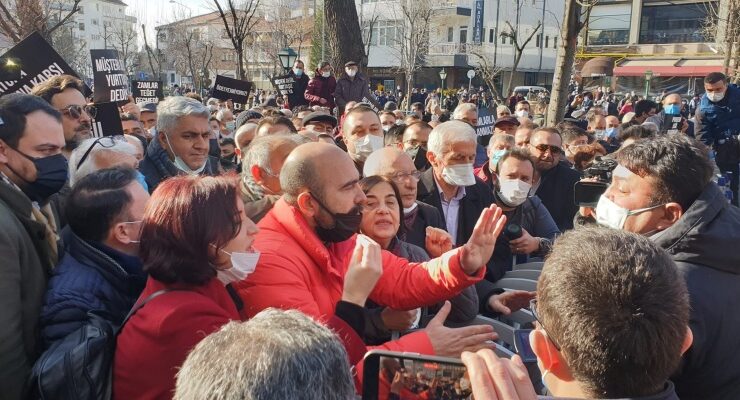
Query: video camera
[[587, 193]]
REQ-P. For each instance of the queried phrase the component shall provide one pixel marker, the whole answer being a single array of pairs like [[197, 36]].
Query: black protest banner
[[147, 91], [283, 84], [107, 120], [236, 90], [38, 63], [110, 79], [484, 128], [367, 102]]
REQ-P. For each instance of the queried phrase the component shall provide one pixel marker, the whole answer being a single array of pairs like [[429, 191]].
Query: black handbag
[[80, 366]]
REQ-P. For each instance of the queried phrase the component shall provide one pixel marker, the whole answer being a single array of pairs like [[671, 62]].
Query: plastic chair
[[534, 265], [530, 274], [521, 319], [502, 351], [505, 332], [516, 284]]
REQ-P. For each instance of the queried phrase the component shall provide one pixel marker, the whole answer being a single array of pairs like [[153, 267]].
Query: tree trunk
[[343, 33], [564, 63], [409, 86], [240, 62], [514, 67]]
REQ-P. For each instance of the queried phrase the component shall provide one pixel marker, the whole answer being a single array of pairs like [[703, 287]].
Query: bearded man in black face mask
[[309, 247], [32, 169]]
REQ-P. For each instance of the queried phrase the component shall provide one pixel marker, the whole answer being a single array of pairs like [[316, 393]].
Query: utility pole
[[323, 31]]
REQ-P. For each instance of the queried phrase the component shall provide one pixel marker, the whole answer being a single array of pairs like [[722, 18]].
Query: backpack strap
[[141, 304]]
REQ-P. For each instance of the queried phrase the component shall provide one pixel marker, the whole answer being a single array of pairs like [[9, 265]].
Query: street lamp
[[648, 78], [443, 76], [287, 58]]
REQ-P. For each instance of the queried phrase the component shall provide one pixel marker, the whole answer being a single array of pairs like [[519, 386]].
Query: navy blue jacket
[[90, 277], [556, 191], [716, 120]]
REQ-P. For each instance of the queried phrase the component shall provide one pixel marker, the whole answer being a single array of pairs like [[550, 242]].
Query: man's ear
[[549, 357], [119, 234], [256, 173], [306, 204], [431, 157], [672, 212], [3, 152], [238, 152], [688, 340]]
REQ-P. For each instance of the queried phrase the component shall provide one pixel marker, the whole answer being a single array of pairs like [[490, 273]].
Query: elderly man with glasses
[[100, 153], [553, 180]]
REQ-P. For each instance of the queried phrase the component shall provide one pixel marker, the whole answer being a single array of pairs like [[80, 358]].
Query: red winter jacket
[[156, 340], [321, 88], [297, 271]]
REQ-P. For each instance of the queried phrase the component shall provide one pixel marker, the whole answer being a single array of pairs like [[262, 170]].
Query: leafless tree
[[368, 22], [412, 38], [19, 18], [343, 33], [519, 39], [575, 17], [124, 38], [154, 56], [239, 18], [487, 70], [721, 24], [279, 31]]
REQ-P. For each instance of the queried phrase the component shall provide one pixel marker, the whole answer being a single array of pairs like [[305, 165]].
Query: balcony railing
[[453, 4], [446, 49]]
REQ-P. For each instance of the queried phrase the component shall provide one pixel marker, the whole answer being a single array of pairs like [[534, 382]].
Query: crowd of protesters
[[154, 265]]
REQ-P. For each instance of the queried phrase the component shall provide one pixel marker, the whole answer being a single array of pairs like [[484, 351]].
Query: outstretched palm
[[479, 248]]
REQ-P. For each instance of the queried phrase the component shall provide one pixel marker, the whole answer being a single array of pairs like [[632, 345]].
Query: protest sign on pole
[[147, 91], [107, 120], [484, 129], [283, 84], [236, 90], [38, 62], [109, 75]]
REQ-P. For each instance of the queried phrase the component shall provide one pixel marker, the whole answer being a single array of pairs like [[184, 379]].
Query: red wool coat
[[156, 340], [297, 271]]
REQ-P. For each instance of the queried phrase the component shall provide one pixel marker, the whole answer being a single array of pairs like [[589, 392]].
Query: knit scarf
[[253, 190]]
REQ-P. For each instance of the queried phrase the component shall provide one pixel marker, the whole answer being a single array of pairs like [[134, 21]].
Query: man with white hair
[[228, 123], [182, 143], [243, 137], [95, 154], [450, 184], [261, 165], [467, 112]]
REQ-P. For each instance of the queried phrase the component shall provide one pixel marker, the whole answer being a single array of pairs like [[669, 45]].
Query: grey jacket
[[25, 264], [704, 244], [353, 90]]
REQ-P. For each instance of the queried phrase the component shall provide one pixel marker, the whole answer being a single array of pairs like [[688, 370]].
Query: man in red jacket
[[307, 240]]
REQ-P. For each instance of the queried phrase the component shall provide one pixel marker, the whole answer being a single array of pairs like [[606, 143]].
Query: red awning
[[680, 67]]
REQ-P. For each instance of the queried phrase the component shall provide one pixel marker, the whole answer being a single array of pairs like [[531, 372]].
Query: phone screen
[[521, 342], [417, 378]]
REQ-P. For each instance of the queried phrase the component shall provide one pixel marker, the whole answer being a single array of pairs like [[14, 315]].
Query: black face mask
[[345, 224], [51, 175]]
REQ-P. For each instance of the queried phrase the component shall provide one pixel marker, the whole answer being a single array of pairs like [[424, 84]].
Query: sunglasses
[[75, 112], [105, 142], [542, 148]]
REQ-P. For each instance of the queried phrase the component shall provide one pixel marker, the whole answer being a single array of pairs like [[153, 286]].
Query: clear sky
[[160, 12]]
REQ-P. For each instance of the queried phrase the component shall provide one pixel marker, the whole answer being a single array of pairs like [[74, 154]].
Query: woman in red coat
[[195, 239], [321, 87]]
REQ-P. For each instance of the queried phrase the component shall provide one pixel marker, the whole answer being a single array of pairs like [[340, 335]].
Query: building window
[[554, 42], [491, 35], [81, 26], [511, 40], [547, 41], [94, 21], [463, 34], [385, 33], [172, 78], [82, 11], [537, 41], [503, 39], [677, 23], [609, 25], [450, 34]]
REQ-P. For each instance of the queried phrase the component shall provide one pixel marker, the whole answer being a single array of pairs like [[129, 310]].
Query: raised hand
[[453, 341], [363, 272], [438, 242], [479, 248], [510, 301]]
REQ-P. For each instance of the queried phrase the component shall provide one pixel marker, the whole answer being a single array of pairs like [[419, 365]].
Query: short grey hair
[[450, 132], [213, 101], [275, 355], [463, 109], [503, 108], [243, 130], [261, 150], [220, 114], [89, 165], [173, 108], [501, 137]]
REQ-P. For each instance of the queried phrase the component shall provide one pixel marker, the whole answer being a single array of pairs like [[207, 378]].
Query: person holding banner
[[300, 84], [182, 143], [64, 93]]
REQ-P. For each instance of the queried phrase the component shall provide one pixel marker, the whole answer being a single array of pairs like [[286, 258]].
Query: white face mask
[[351, 72], [715, 97], [600, 134], [522, 114], [610, 214], [242, 264], [366, 145], [459, 175], [513, 192], [180, 164], [326, 74]]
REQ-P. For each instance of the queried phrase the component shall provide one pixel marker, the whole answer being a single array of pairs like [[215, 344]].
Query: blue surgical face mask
[[672, 109], [611, 132], [142, 180], [496, 156]]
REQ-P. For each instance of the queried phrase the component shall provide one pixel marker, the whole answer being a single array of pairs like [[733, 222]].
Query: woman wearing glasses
[[381, 221]]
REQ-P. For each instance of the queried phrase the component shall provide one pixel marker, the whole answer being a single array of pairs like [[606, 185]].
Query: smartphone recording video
[[401, 376]]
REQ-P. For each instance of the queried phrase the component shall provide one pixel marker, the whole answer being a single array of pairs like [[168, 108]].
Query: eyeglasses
[[400, 177], [416, 143], [75, 112], [542, 148], [105, 142], [533, 308]]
